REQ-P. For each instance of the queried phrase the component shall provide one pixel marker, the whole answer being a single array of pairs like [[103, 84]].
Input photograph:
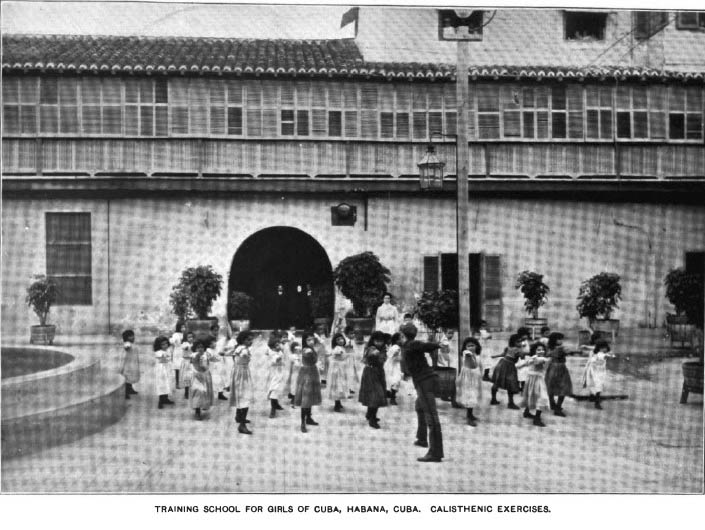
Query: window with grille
[[585, 25], [691, 20], [632, 111], [647, 23], [68, 256]]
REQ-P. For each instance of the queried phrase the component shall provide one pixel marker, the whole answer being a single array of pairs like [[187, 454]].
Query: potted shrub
[[200, 286], [239, 307], [41, 295], [438, 310], [363, 280], [685, 291], [322, 307], [535, 292], [599, 296]]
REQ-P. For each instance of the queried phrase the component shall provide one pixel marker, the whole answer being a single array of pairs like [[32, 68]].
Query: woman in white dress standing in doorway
[[387, 317]]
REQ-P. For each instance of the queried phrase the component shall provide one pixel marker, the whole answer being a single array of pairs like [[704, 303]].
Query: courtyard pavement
[[648, 443]]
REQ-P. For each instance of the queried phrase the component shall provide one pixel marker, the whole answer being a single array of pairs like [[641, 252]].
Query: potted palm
[[197, 289], [239, 307], [41, 295], [535, 292], [363, 280], [599, 296]]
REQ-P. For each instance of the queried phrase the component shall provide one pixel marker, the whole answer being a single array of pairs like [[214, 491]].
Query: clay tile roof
[[273, 57], [32, 52]]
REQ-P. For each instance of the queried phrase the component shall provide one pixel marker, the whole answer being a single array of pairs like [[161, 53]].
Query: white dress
[[162, 372], [468, 384], [337, 381], [387, 319], [175, 342], [186, 373], [596, 372], [227, 365], [392, 367], [293, 375], [275, 374], [242, 393], [323, 356], [535, 393]]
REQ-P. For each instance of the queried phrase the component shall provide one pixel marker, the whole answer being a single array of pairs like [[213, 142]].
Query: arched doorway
[[277, 266]]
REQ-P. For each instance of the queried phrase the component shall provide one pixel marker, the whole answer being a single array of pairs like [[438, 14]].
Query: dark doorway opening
[[449, 280], [288, 274]]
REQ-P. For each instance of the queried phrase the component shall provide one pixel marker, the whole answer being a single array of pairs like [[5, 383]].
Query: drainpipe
[[109, 300]]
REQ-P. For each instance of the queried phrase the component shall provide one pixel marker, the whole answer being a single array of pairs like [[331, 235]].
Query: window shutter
[[368, 96], [68, 256], [350, 123], [11, 119], [435, 97], [420, 129], [451, 123], [269, 123], [430, 273], [386, 124], [402, 124], [335, 95], [449, 271], [269, 95], [386, 97], [492, 291], [302, 122], [435, 122], [254, 122], [10, 90], [368, 123], [319, 122], [303, 95], [419, 98]]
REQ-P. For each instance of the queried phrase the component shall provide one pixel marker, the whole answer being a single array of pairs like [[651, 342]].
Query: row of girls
[[208, 366], [537, 372]]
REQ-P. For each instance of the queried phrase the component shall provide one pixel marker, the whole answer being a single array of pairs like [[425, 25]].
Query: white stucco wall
[[153, 240]]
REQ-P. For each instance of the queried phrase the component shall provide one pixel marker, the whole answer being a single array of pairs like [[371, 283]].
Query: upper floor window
[[691, 20], [585, 25], [647, 23]]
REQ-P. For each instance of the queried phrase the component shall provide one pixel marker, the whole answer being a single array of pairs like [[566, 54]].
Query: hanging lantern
[[431, 170]]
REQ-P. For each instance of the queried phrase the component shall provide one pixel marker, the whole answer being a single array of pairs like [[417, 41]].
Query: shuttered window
[[68, 256], [691, 20], [234, 100], [431, 273], [559, 117], [20, 98], [440, 272], [334, 123]]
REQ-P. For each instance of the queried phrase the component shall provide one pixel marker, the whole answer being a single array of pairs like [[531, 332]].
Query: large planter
[[200, 328], [446, 383], [605, 329], [42, 334], [535, 324], [679, 330], [362, 327], [239, 325], [692, 379]]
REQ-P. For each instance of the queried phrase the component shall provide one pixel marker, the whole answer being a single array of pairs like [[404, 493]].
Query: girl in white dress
[[351, 358], [596, 371], [392, 367], [175, 342], [338, 386], [323, 357], [186, 371], [201, 398], [275, 374], [241, 388], [469, 381], [387, 316], [162, 372], [487, 359], [535, 394]]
